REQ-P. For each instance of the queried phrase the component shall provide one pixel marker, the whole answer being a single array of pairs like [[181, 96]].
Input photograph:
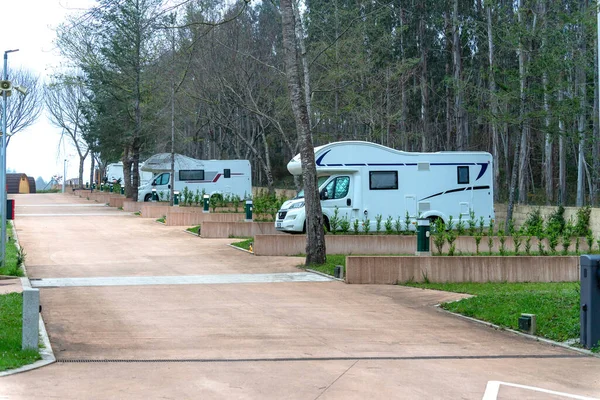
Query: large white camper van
[[227, 177], [363, 180]]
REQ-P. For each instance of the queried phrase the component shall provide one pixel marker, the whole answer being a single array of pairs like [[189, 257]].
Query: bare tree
[[65, 99], [315, 244], [23, 111]]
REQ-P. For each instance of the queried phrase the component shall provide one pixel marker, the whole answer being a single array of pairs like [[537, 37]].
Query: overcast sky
[[28, 25]]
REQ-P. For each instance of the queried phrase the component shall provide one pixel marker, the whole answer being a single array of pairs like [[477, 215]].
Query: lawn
[[11, 355], [244, 244], [329, 266], [556, 305]]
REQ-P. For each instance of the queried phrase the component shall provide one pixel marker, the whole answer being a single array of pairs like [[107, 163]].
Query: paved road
[[233, 339]]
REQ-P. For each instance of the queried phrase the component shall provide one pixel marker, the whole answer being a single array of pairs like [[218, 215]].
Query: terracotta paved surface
[[323, 340]]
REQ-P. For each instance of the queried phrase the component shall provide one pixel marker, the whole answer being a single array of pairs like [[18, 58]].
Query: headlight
[[297, 205]]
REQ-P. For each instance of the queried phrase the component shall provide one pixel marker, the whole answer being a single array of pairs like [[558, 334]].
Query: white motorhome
[[363, 180], [114, 173], [226, 177]]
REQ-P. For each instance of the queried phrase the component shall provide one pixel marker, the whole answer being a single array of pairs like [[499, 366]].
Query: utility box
[[423, 234], [10, 209], [589, 276]]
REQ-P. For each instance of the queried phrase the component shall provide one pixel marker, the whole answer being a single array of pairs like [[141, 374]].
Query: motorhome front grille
[[282, 214]]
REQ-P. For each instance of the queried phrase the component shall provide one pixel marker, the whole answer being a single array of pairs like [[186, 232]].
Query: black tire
[[148, 197], [326, 223]]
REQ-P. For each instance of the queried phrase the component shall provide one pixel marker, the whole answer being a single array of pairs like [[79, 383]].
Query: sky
[[28, 25]]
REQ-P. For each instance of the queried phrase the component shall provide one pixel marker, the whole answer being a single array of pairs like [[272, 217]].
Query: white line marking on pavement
[[60, 205], [180, 280], [116, 214], [493, 387]]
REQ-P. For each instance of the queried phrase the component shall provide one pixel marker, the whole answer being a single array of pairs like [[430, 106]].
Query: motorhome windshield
[[320, 182]]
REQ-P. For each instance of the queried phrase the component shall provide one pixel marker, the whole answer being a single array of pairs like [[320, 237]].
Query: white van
[[226, 177], [114, 173], [363, 180]]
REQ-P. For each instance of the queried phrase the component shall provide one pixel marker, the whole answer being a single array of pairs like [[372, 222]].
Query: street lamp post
[[64, 175], [3, 164]]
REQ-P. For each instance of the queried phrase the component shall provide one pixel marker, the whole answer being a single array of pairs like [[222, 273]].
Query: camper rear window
[[383, 180], [191, 175]]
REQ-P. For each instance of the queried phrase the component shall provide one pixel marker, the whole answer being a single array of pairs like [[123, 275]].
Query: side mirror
[[324, 195], [153, 183]]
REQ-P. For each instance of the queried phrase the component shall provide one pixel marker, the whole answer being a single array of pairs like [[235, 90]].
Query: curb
[[46, 352], [192, 233], [240, 249], [525, 335], [324, 274]]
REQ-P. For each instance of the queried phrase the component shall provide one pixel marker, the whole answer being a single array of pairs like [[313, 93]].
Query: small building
[[32, 188], [17, 183]]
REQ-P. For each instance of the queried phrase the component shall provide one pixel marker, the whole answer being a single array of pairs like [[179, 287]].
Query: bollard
[[176, 198], [31, 310], [111, 188], [154, 195], [205, 201], [423, 237], [589, 313], [93, 185], [102, 187], [248, 210], [87, 185], [122, 189]]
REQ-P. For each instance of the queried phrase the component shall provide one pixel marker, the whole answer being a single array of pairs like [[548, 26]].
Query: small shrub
[[378, 219], [439, 237], [460, 226], [517, 240], [389, 225], [398, 225], [490, 234], [334, 222], [553, 242], [582, 224], [590, 241], [577, 245], [344, 225], [407, 223], [566, 243], [355, 226], [451, 236], [478, 236], [472, 223], [502, 240], [556, 221], [198, 197], [450, 224], [534, 224], [541, 249], [366, 225], [213, 202], [528, 245]]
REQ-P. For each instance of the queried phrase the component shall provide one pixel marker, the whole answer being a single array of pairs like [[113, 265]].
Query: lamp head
[[21, 89]]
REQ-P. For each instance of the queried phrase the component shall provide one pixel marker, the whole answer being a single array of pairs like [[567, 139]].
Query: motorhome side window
[[463, 174], [162, 179], [338, 188], [191, 175], [227, 173], [383, 180]]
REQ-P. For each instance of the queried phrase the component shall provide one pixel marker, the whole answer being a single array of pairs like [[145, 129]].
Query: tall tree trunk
[[315, 244], [305, 66], [512, 186], [596, 129], [562, 169], [92, 170], [493, 105], [461, 118], [581, 120], [448, 36], [423, 82], [523, 147]]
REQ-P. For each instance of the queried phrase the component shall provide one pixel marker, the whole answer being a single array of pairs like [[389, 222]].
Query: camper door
[[162, 186], [337, 193]]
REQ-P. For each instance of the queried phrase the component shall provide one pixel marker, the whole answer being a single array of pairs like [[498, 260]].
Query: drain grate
[[303, 359]]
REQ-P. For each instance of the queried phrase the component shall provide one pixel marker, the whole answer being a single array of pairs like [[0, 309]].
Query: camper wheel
[[148, 197]]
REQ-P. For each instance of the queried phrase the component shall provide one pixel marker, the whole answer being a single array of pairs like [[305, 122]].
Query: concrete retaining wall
[[131, 206], [289, 245], [212, 229], [520, 215], [391, 270], [177, 216], [153, 210]]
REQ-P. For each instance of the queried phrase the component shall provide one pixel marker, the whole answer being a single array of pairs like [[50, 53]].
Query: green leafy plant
[[534, 224], [344, 225], [566, 243], [556, 221], [528, 245], [582, 224], [472, 223], [355, 226], [590, 241], [553, 241], [439, 237], [450, 224], [198, 197], [389, 225], [502, 240], [213, 202], [378, 219], [407, 223], [460, 226], [366, 225], [451, 236], [541, 249], [490, 234], [398, 225], [334, 221]]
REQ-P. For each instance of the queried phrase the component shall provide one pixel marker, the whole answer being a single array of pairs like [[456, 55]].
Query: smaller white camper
[[114, 173], [365, 180], [226, 177]]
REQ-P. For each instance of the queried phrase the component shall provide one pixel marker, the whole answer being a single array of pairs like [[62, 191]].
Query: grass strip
[[12, 266], [11, 355], [556, 305], [195, 229], [244, 244], [329, 266]]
